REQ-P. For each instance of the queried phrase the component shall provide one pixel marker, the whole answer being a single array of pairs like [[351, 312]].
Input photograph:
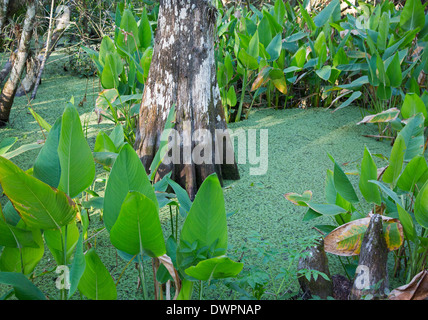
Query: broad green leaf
[[253, 47], [354, 96], [96, 282], [107, 48], [264, 31], [412, 173], [182, 196], [117, 136], [330, 190], [383, 31], [343, 185], [47, 167], [412, 16], [274, 48], [145, 63], [412, 105], [110, 74], [279, 11], [38, 204], [127, 174], [308, 19], [145, 32], [14, 237], [128, 36], [138, 227], [381, 73], [369, 172], [206, 222], [395, 166], [421, 206], [340, 58], [228, 65], [296, 36], [75, 156], [320, 43], [14, 259], [413, 136], [106, 98], [24, 148], [42, 122], [407, 222], [324, 73], [231, 97], [299, 58], [333, 9], [186, 290], [215, 268], [77, 267], [6, 144], [103, 143], [386, 190], [393, 72], [247, 60], [24, 288], [55, 240], [326, 209], [275, 26]]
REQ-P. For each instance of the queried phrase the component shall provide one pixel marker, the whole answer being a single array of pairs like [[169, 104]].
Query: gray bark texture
[[372, 273], [316, 259], [183, 72], [8, 93], [36, 65]]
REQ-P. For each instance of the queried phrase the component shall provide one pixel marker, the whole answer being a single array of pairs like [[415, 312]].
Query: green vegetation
[[77, 200]]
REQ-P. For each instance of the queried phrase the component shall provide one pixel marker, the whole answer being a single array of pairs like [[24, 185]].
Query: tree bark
[[372, 273], [8, 93], [183, 72], [4, 73], [36, 66], [315, 259], [4, 4]]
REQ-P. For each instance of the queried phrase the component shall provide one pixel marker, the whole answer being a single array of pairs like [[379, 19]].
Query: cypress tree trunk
[[8, 93], [4, 4], [183, 72]]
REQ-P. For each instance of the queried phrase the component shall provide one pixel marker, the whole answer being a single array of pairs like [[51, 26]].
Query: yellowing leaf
[[346, 239]]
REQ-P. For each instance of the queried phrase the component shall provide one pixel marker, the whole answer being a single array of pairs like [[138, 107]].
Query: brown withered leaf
[[417, 289], [167, 262]]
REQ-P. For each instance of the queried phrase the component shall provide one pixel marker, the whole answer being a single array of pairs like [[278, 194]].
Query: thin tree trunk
[[4, 73], [183, 72], [8, 93], [4, 4], [37, 65]]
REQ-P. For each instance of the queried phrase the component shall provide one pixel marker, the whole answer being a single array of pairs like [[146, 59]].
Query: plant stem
[[176, 223], [200, 290], [171, 219], [241, 103], [143, 280]]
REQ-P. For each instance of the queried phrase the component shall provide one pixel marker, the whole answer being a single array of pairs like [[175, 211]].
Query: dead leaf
[[167, 262], [417, 289]]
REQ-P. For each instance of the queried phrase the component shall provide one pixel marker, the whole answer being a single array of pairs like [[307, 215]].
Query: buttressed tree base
[[183, 73]]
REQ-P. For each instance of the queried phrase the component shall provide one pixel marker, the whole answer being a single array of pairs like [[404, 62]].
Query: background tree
[[183, 72], [8, 93]]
